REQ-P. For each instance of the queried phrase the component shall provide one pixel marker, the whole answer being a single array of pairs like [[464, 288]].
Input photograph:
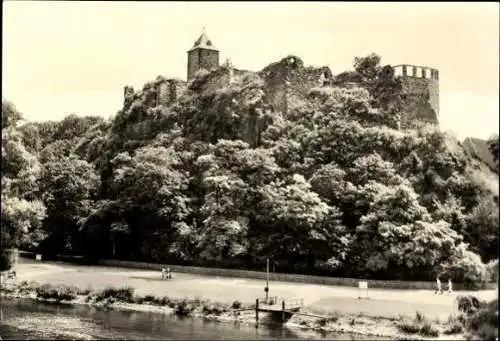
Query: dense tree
[[219, 177], [21, 212], [68, 186]]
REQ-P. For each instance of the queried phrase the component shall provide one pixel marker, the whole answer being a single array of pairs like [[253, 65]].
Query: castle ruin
[[285, 81]]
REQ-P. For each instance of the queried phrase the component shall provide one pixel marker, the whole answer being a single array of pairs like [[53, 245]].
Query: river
[[27, 319]]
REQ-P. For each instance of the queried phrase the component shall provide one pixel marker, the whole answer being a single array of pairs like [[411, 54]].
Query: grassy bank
[[418, 327]]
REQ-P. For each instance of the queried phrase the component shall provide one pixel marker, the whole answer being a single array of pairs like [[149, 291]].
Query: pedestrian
[[163, 272], [450, 286], [438, 284]]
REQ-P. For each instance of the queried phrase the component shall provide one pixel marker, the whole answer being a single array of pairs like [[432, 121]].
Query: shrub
[[454, 327], [183, 308], [419, 325], [59, 292], [492, 270], [454, 324], [149, 298], [125, 294], [408, 327], [157, 301], [483, 323], [419, 317], [164, 300], [137, 300], [427, 329], [467, 269], [236, 305], [83, 292], [26, 287], [213, 308], [468, 303]]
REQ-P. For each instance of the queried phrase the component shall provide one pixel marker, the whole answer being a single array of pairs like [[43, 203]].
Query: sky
[[61, 58]]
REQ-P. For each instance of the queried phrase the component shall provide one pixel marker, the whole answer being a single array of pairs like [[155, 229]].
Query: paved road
[[317, 298]]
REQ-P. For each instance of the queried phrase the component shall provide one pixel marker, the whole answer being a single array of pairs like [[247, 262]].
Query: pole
[[256, 312], [267, 280], [283, 311]]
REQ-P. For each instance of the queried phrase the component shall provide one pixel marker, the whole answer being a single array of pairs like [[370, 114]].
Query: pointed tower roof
[[203, 42]]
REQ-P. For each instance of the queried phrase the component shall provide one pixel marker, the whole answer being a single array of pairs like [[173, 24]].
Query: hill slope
[[479, 148], [321, 181]]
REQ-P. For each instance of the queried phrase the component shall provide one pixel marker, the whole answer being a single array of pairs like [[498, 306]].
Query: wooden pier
[[284, 307]]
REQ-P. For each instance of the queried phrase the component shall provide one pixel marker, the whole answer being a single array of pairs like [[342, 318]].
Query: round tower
[[421, 85]]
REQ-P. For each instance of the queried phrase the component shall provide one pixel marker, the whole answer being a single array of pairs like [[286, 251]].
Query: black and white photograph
[[261, 170]]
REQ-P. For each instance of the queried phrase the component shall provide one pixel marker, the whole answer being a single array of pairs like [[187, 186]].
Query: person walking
[[438, 284], [450, 286]]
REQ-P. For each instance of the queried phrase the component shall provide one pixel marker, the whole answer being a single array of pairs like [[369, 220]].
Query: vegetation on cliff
[[332, 186]]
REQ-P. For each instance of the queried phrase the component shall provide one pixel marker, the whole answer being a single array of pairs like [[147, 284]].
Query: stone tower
[[203, 55], [421, 85]]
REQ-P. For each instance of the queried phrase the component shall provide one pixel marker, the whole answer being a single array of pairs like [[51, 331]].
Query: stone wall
[[169, 90], [219, 78], [288, 81], [162, 91], [352, 282], [422, 87], [201, 59], [216, 80]]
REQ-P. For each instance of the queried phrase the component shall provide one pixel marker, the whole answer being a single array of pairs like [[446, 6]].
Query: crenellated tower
[[421, 85]]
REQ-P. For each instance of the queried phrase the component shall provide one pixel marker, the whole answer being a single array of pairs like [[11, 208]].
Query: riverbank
[[318, 299], [417, 328]]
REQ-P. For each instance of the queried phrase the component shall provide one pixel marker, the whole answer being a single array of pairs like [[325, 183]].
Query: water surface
[[31, 320]]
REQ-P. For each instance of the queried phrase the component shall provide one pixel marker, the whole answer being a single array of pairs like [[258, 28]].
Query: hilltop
[[324, 180]]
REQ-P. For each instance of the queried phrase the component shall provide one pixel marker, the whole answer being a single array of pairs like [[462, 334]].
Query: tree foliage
[[218, 177]]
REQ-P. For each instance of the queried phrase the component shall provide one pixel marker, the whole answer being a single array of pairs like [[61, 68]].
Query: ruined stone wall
[[169, 91], [159, 92], [421, 84], [288, 81], [215, 80]]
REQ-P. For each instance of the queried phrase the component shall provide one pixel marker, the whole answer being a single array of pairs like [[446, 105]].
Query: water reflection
[[27, 319]]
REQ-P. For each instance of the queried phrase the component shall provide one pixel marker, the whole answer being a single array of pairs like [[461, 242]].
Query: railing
[[294, 303], [272, 300], [290, 303]]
